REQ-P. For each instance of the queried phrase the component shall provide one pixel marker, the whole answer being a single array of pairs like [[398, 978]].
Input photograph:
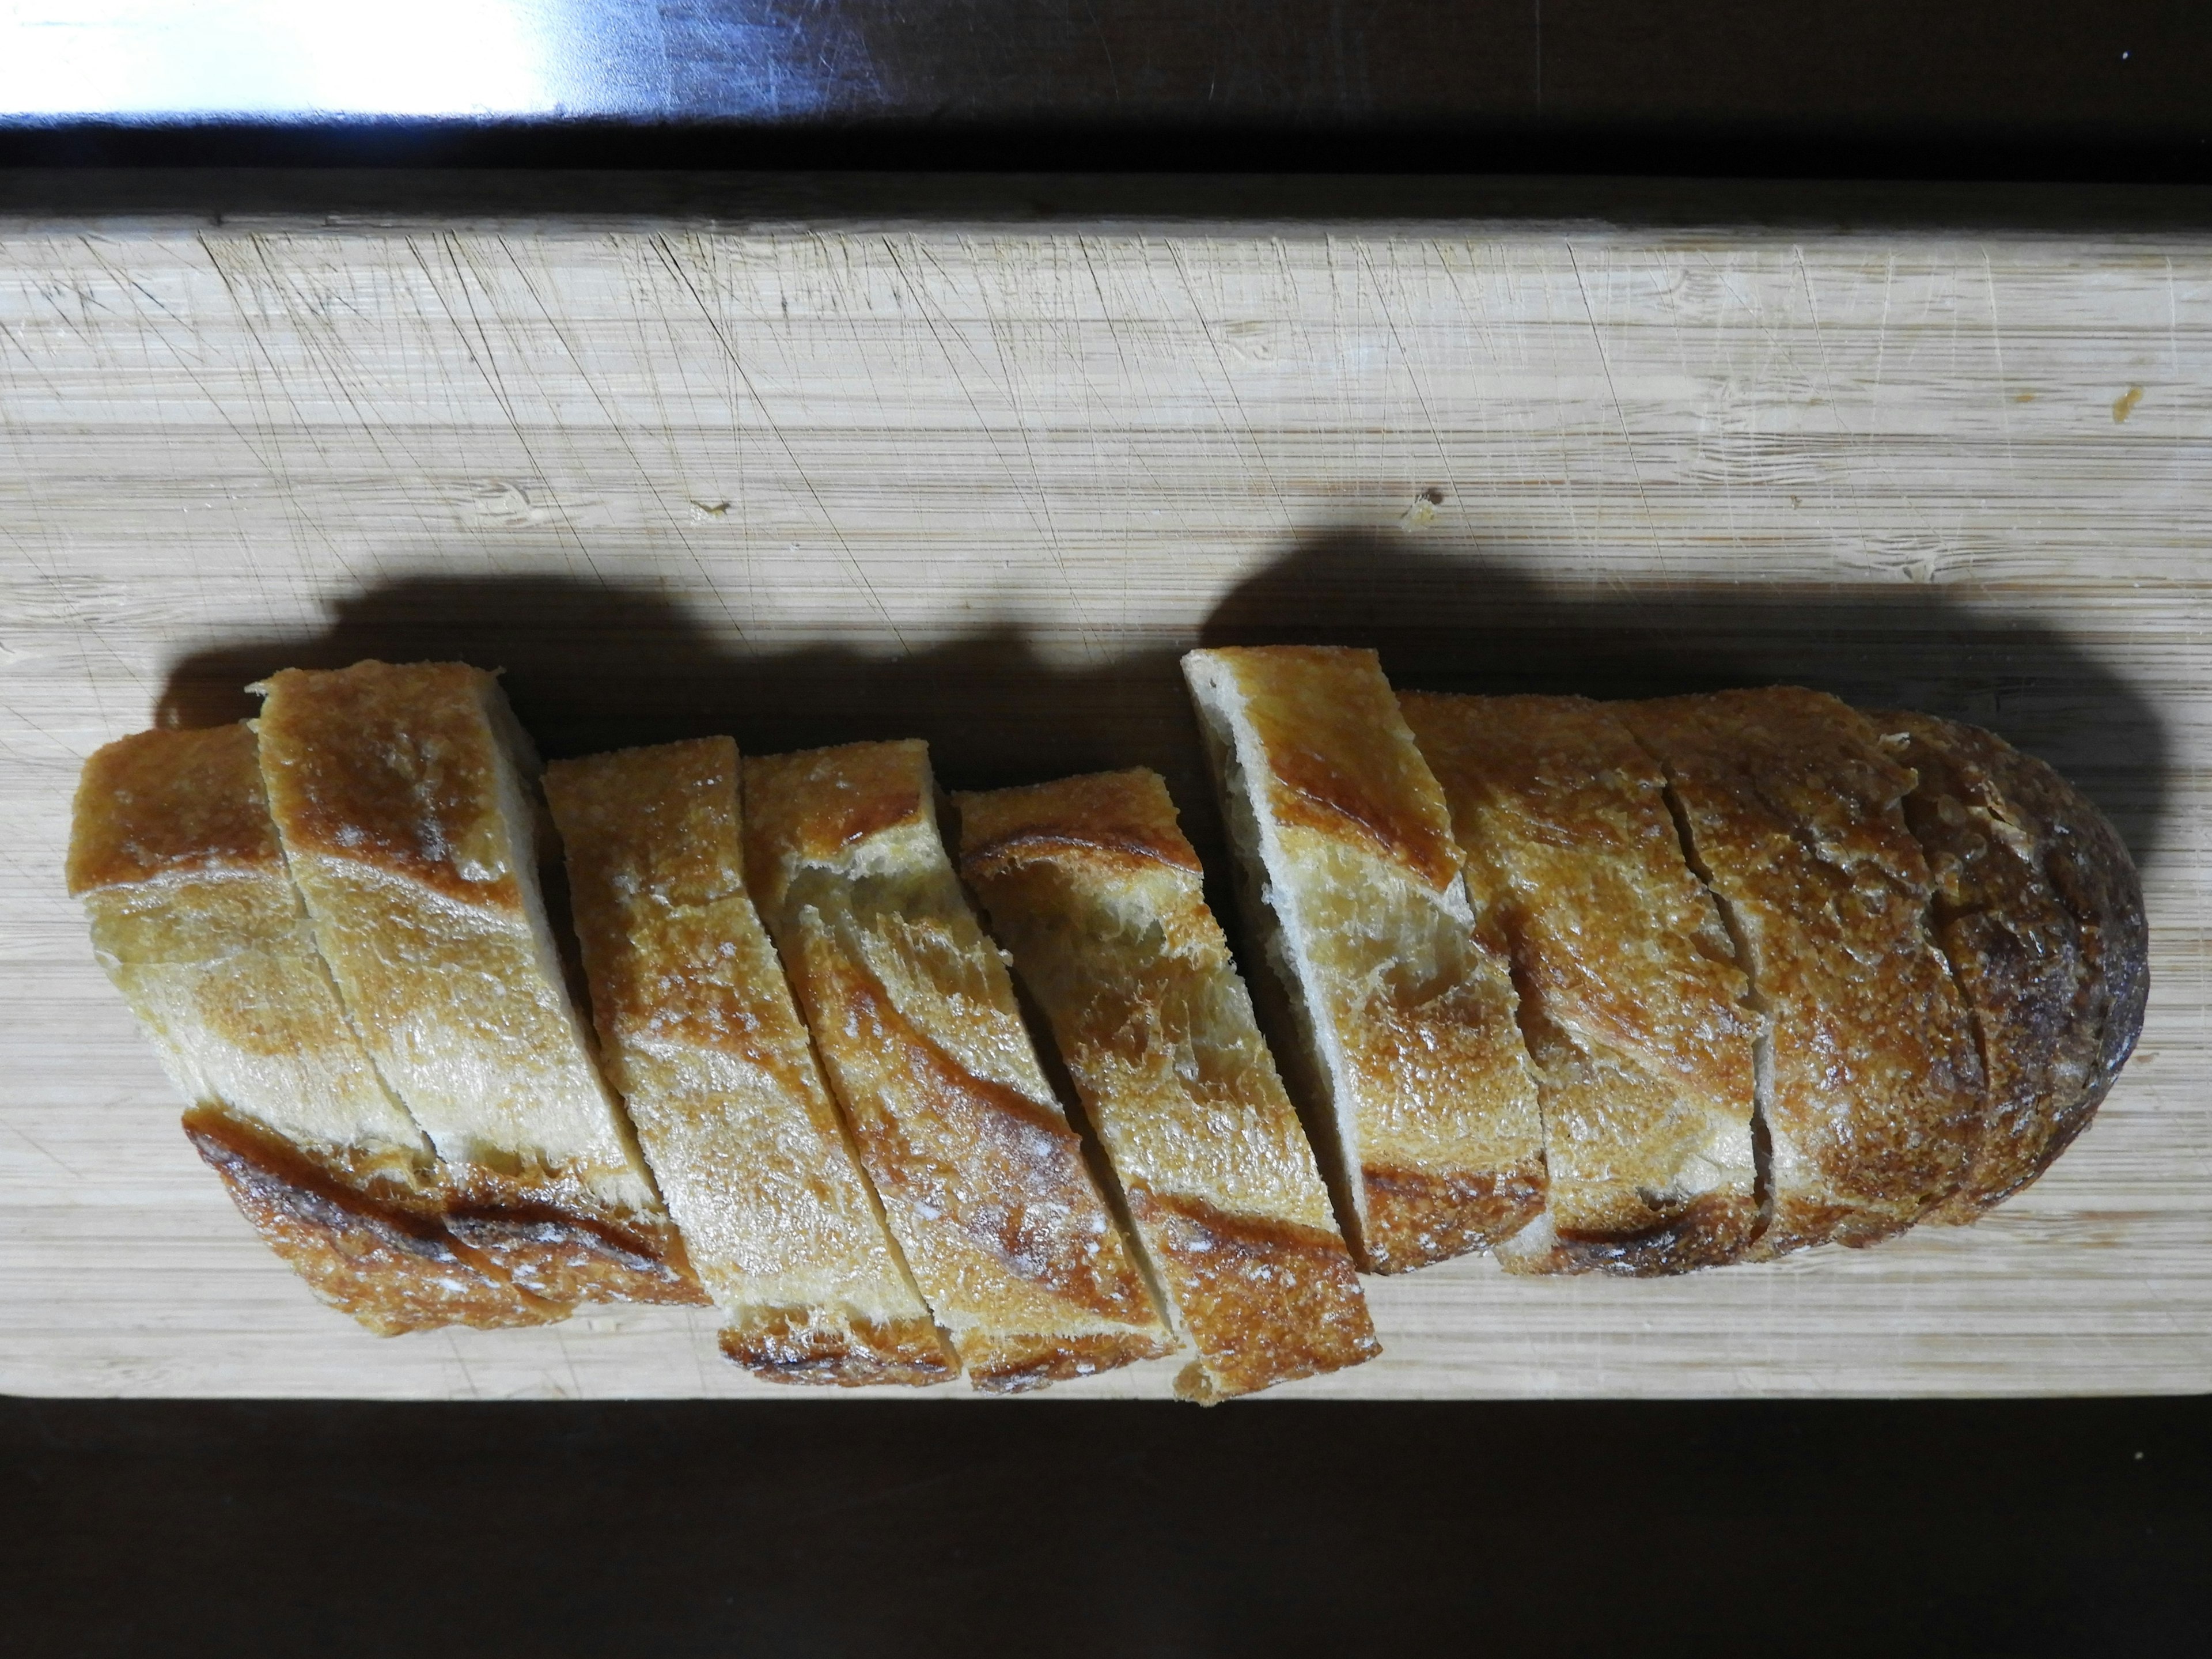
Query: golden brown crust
[[2009, 844], [196, 920], [815, 804], [1092, 885], [1396, 1019], [1265, 1301], [1326, 717], [1793, 815], [1110, 820], [168, 804], [983, 1183], [1630, 1000], [1017, 1364], [411, 790], [407, 801], [700, 1032], [798, 1346], [374, 1249]]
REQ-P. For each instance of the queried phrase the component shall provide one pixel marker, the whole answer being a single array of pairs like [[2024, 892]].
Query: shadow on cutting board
[[593, 667], [1449, 623]]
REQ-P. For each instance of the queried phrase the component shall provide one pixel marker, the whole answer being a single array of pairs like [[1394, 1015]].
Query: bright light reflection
[[277, 56]]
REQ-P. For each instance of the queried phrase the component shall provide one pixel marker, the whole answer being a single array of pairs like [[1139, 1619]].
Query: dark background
[[2090, 90], [2071, 1527], [1115, 1529]]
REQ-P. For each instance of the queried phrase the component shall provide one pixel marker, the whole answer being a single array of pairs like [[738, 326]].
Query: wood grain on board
[[817, 482]]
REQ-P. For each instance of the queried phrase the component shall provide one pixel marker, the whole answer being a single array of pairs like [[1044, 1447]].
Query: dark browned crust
[[2040, 911], [1420, 1217], [1015, 1365], [1710, 1230], [404, 793], [171, 804], [2096, 880], [797, 1346], [374, 1251], [1265, 1301], [552, 1239]]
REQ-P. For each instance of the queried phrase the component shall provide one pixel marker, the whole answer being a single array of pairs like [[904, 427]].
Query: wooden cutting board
[[825, 481]]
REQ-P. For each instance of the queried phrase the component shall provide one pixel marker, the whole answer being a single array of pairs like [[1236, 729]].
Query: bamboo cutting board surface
[[812, 482]]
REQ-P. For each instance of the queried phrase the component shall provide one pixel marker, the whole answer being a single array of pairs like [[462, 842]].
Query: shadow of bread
[[1444, 622], [592, 666]]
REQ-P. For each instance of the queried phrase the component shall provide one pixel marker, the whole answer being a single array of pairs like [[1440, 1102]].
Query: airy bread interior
[[699, 1032], [1416, 1084], [1092, 885]]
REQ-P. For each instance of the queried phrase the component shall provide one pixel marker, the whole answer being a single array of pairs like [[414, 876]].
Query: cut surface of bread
[[1394, 1022], [1791, 813], [1091, 885], [982, 1181], [1631, 1001], [196, 920], [406, 798], [700, 1033], [2040, 911]]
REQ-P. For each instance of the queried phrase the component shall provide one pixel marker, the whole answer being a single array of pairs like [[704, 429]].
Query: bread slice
[[1631, 1001], [195, 918], [700, 1033], [2039, 910], [981, 1179], [407, 799], [1394, 1021], [1092, 885], [1790, 811]]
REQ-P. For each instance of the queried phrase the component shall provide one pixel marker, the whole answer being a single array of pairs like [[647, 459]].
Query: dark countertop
[[1910, 88], [2066, 1528]]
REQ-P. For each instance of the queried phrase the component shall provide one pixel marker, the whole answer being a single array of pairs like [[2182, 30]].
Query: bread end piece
[[196, 920], [1394, 1021], [2040, 908]]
